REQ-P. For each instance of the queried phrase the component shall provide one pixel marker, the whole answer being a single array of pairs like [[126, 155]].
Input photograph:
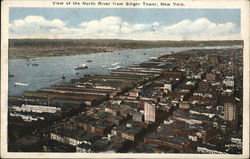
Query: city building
[[230, 111], [149, 112]]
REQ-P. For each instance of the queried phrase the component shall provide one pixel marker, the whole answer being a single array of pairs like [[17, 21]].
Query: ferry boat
[[21, 84], [115, 67], [82, 66]]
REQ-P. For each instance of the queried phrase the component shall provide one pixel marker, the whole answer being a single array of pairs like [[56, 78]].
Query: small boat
[[144, 53], [35, 64], [34, 59], [86, 75], [115, 67], [21, 84], [89, 60], [82, 66], [77, 73], [115, 63], [153, 58], [11, 75], [63, 77]]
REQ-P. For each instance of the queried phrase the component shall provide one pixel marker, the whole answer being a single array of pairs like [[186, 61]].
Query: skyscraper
[[149, 112], [229, 111]]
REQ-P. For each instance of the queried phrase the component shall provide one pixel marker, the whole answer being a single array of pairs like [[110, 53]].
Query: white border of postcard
[[223, 4]]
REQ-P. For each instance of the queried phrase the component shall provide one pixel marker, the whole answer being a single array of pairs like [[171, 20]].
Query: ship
[[103, 66], [153, 58], [35, 64], [21, 84], [115, 63], [63, 77], [82, 66], [115, 67]]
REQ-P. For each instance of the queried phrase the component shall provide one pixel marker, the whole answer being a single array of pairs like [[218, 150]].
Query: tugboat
[[11, 75], [35, 64], [63, 77], [82, 66]]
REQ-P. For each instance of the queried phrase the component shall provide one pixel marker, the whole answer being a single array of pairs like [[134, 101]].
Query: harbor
[[142, 107], [51, 69]]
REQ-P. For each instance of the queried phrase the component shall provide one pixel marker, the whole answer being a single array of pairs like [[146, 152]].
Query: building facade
[[149, 112], [229, 111]]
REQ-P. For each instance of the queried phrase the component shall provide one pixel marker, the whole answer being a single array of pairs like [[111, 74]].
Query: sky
[[125, 23]]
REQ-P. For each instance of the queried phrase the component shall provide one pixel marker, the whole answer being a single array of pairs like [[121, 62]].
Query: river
[[50, 69]]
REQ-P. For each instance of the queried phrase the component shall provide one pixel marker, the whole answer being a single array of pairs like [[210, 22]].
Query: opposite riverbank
[[31, 48]]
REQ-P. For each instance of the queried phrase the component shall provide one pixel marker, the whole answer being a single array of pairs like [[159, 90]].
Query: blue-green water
[[51, 69]]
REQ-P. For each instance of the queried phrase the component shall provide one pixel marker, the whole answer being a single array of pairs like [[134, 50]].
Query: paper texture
[[154, 21]]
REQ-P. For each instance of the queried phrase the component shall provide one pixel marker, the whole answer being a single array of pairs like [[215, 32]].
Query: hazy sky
[[126, 23]]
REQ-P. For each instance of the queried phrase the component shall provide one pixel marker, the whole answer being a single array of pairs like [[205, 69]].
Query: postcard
[[125, 79]]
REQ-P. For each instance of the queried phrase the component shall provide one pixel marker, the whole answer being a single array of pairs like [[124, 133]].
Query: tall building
[[149, 112], [229, 111]]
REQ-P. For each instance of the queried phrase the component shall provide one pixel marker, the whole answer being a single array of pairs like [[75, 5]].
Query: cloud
[[114, 27], [201, 28], [34, 25]]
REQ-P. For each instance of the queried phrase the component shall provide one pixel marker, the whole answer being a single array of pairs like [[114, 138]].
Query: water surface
[[51, 69]]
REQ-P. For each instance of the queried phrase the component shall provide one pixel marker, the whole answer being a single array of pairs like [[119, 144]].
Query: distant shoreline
[[33, 48], [11, 57]]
